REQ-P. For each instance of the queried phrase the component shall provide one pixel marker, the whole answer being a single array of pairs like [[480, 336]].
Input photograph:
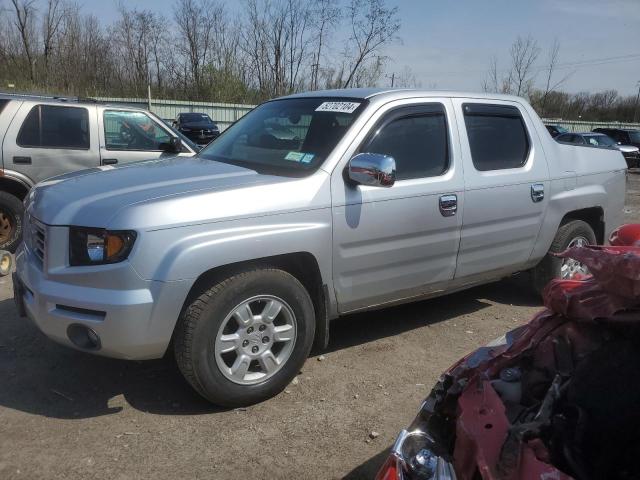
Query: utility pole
[[393, 78], [635, 110], [314, 76]]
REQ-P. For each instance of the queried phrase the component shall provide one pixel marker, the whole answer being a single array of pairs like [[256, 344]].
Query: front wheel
[[11, 211], [574, 233], [245, 338]]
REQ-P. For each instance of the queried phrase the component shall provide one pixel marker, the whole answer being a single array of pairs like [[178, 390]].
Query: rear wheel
[[574, 233], [11, 211], [245, 338]]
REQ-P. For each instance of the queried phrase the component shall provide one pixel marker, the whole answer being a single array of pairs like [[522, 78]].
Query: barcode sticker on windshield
[[339, 107]]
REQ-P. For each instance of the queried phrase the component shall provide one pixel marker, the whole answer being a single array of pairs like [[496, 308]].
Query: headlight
[[413, 457], [94, 246]]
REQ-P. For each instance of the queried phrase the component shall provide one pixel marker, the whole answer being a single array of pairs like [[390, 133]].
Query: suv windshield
[[195, 117], [289, 136]]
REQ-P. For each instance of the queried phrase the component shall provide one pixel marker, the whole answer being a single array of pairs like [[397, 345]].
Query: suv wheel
[[11, 211], [574, 233], [244, 339]]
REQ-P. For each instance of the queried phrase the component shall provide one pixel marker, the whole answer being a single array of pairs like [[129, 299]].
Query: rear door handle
[[448, 205], [109, 161], [537, 192], [22, 160]]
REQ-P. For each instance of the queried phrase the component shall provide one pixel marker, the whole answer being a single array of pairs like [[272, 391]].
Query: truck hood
[[92, 198]]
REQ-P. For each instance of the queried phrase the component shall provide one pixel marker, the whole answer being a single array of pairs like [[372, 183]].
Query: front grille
[[38, 233]]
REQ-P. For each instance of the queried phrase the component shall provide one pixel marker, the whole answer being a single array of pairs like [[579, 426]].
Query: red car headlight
[[413, 457]]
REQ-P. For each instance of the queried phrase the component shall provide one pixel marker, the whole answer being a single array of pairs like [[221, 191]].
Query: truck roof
[[396, 93]]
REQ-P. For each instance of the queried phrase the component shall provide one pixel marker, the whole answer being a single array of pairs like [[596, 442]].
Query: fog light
[[83, 337]]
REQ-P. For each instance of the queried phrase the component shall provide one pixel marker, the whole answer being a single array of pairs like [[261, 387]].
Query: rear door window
[[497, 134], [52, 126]]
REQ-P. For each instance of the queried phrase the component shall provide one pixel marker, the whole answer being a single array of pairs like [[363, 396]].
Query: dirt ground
[[65, 414]]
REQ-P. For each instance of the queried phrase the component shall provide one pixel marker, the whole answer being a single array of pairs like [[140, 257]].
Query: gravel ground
[[65, 414]]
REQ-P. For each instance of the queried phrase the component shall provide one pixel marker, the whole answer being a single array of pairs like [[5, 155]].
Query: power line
[[559, 66]]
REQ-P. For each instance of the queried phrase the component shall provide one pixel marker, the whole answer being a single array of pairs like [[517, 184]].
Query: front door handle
[[22, 160], [109, 161], [448, 205], [537, 192]]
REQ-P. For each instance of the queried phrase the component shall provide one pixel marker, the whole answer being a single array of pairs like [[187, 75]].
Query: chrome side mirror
[[373, 169]]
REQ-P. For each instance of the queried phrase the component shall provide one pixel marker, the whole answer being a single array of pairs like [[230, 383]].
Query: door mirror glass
[[373, 169]]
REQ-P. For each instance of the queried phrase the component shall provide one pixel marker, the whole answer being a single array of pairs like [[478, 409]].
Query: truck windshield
[[289, 136]]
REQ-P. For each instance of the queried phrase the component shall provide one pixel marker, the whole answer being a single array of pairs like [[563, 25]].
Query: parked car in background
[[630, 153], [197, 126], [240, 256], [42, 137], [555, 130], [551, 399], [623, 136]]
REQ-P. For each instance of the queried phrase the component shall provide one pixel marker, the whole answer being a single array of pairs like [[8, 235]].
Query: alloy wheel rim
[[570, 267], [6, 228], [5, 263], [255, 339]]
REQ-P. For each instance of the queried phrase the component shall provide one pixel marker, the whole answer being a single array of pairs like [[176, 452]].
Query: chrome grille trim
[[38, 233]]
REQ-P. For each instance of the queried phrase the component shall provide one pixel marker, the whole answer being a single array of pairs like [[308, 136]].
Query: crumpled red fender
[[613, 284]]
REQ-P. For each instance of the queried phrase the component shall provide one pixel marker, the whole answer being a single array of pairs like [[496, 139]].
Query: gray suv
[[44, 136], [239, 257]]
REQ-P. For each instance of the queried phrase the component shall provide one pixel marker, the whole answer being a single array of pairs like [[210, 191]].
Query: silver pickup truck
[[41, 137], [309, 207]]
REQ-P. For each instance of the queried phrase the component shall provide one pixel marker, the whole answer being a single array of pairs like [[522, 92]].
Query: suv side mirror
[[174, 145], [373, 169]]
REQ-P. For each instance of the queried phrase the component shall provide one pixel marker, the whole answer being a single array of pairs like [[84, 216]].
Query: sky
[[448, 44]]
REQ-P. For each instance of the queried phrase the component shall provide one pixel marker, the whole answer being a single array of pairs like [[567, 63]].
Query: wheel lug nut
[[250, 330], [254, 349], [265, 339], [245, 343], [262, 327]]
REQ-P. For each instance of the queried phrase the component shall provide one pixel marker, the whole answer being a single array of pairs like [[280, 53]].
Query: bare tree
[[551, 83], [524, 53], [325, 17], [275, 40], [50, 27], [519, 78], [25, 12], [373, 25], [197, 21]]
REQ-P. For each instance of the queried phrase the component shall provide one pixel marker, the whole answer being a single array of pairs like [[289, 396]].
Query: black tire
[[11, 211], [202, 318], [549, 267]]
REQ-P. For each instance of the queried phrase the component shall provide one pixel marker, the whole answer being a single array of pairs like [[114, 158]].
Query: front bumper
[[134, 318]]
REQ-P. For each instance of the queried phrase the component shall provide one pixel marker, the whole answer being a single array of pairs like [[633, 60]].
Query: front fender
[[185, 253]]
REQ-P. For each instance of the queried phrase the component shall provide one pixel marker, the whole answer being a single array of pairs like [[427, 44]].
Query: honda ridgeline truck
[[309, 207]]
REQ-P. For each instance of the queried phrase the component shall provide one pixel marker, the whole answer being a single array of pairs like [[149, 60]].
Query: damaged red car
[[557, 398]]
